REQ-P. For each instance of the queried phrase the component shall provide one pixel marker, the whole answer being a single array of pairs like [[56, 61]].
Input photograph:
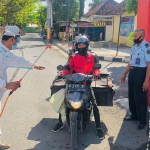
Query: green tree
[[131, 36], [81, 12], [41, 15], [131, 6], [65, 10], [16, 12], [94, 4]]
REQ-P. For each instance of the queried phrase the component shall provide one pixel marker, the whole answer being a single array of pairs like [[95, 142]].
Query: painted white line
[[108, 58]]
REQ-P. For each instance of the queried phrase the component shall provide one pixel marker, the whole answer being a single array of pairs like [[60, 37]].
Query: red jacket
[[81, 64]]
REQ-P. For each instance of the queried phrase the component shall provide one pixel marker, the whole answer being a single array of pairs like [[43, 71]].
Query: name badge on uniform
[[137, 61]]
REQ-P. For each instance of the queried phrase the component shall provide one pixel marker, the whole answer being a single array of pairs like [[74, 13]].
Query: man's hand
[[145, 86], [39, 67], [12, 85], [123, 78]]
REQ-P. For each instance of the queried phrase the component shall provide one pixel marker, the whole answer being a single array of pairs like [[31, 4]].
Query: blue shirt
[[142, 53], [73, 42]]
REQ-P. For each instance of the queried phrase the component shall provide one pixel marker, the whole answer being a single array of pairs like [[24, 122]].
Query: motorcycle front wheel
[[74, 130], [74, 137]]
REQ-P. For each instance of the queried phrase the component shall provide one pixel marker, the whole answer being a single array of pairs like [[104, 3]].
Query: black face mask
[[137, 41], [82, 51]]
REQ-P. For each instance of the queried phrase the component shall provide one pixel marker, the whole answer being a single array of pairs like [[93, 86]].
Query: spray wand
[[11, 92]]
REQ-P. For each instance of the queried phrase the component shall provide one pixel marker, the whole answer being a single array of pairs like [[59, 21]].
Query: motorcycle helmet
[[84, 40]]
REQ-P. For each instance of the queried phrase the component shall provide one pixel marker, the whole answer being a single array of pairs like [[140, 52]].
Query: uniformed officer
[[139, 73]]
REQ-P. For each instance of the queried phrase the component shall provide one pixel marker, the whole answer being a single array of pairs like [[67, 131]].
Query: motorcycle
[[77, 102]]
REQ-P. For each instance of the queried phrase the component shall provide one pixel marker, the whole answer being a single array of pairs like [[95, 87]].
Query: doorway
[[96, 33]]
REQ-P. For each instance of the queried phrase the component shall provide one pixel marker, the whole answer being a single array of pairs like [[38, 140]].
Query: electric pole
[[49, 20]]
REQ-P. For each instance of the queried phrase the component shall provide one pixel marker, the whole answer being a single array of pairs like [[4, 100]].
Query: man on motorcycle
[[82, 62]]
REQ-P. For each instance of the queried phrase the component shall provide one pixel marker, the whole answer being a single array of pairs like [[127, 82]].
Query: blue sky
[[89, 1]]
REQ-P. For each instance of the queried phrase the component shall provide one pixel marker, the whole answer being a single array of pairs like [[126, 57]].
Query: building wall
[[109, 33], [122, 39], [61, 35], [116, 21]]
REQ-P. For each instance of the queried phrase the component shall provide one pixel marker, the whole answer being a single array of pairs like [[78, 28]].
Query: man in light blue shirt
[[7, 59], [139, 73]]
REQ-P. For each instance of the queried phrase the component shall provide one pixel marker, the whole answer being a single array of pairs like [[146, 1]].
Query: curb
[[114, 59], [104, 58], [61, 48]]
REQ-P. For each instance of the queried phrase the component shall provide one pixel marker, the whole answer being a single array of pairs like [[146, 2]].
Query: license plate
[[76, 87]]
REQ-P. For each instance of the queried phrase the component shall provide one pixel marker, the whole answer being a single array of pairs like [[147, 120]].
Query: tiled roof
[[93, 11], [102, 8], [120, 8]]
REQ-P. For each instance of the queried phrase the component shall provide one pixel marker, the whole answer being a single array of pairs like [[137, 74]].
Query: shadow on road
[[129, 138], [61, 140], [31, 37], [31, 46], [120, 88]]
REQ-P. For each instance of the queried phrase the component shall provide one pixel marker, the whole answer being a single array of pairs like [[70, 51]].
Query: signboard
[[127, 25], [99, 24], [94, 24]]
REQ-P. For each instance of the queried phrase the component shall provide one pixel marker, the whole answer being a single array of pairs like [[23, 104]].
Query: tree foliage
[[17, 12], [65, 10], [131, 6], [23, 12], [131, 36], [94, 4], [41, 15], [81, 12]]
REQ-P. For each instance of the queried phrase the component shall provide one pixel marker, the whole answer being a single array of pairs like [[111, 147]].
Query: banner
[[126, 25], [67, 28]]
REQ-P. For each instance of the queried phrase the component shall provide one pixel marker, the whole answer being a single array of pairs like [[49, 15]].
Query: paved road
[[29, 118]]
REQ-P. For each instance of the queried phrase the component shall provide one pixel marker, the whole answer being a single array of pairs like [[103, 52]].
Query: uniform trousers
[[137, 97]]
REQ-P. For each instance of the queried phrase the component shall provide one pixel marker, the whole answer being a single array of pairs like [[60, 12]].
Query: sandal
[[4, 146]]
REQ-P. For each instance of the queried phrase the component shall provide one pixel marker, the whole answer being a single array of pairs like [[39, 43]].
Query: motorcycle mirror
[[97, 66], [60, 67]]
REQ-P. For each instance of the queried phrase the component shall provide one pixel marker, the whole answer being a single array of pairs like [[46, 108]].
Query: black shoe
[[140, 127], [100, 134], [58, 127], [130, 119]]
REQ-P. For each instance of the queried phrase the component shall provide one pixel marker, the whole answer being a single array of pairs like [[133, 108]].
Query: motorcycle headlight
[[76, 105]]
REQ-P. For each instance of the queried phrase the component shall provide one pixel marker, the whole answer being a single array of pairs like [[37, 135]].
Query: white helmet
[[12, 31]]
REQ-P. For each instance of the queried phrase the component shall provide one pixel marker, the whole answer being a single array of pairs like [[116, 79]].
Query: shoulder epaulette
[[147, 45]]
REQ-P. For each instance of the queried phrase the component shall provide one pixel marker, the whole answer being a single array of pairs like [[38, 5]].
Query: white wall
[[109, 33]]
